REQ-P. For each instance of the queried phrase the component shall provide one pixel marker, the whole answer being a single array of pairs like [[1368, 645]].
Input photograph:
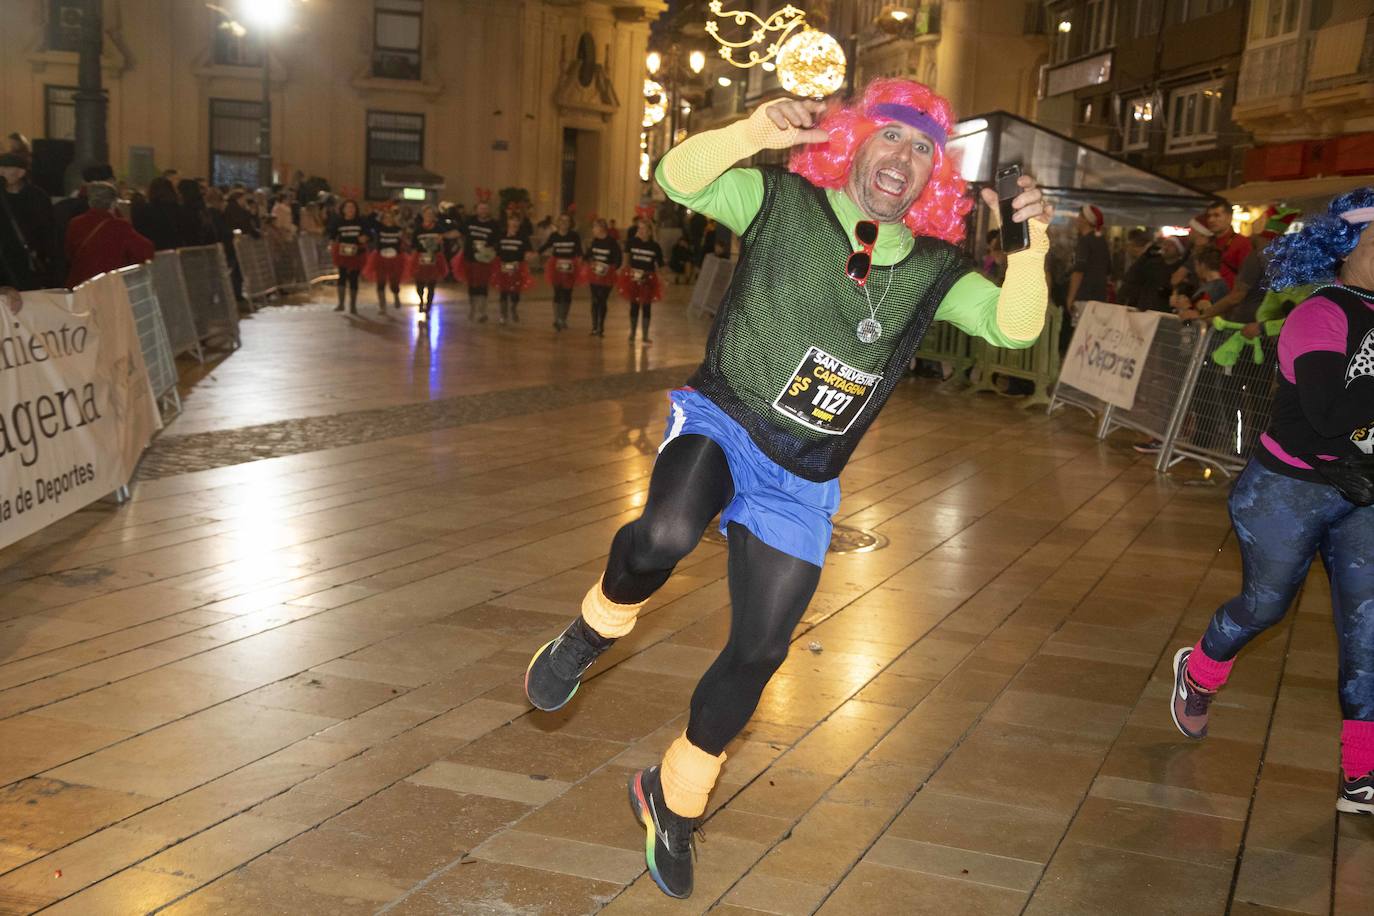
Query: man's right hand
[[788, 122]]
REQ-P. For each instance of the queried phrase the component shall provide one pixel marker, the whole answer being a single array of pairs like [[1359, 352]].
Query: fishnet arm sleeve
[[1021, 304], [702, 158]]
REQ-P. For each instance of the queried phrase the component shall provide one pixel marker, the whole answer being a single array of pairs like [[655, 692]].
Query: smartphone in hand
[[1015, 236]]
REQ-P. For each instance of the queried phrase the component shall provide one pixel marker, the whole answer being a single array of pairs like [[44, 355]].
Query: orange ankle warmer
[[607, 618], [688, 775]]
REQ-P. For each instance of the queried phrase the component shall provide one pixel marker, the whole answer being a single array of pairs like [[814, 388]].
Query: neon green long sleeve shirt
[[736, 196]]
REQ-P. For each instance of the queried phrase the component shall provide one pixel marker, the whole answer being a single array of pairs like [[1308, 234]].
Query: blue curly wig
[[1314, 254]]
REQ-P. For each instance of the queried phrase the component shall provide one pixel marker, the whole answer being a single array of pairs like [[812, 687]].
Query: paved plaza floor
[[286, 678]]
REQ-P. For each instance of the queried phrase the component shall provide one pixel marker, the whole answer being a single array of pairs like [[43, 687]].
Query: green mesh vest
[[783, 359]]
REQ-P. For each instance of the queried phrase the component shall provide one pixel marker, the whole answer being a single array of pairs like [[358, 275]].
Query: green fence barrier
[[1038, 363]]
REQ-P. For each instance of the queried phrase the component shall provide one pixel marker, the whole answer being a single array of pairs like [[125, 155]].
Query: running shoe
[[669, 844], [1357, 795], [1188, 703], [555, 672], [1148, 447]]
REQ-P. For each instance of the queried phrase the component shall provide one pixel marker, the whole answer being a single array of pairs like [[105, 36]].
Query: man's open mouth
[[890, 181]]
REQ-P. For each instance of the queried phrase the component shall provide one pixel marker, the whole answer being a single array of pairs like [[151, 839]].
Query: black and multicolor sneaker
[[555, 672], [669, 843], [1188, 703], [1357, 795]]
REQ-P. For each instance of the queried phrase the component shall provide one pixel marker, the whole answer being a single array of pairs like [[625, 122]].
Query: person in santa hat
[[1091, 260]]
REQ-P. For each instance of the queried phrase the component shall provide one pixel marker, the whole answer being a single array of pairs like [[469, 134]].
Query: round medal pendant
[[869, 330]]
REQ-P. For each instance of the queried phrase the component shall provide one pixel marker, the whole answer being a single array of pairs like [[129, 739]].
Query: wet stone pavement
[[286, 677]]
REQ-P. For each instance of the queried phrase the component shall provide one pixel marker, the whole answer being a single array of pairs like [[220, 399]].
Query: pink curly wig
[[940, 209]]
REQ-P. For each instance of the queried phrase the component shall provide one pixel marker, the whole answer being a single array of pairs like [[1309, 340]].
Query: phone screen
[[1015, 236]]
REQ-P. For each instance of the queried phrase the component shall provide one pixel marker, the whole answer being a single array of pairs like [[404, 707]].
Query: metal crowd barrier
[[1038, 363], [288, 267], [1066, 395], [315, 258], [170, 285], [211, 293], [1163, 381], [944, 343], [712, 282], [255, 263], [152, 336], [1223, 409]]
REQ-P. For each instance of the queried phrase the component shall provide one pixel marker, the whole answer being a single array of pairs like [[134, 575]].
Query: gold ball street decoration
[[655, 103], [811, 64]]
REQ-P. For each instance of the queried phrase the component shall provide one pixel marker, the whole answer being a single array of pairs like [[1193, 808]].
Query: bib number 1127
[[830, 400], [826, 394]]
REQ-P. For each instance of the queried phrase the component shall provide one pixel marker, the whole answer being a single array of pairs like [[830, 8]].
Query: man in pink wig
[[847, 258]]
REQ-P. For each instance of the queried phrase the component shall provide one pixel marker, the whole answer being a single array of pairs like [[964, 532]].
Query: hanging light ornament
[[809, 62], [655, 103]]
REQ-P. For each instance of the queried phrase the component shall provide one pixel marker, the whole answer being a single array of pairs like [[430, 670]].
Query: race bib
[[509, 266], [638, 276], [825, 394], [601, 269], [564, 266], [346, 250], [388, 252], [426, 258]]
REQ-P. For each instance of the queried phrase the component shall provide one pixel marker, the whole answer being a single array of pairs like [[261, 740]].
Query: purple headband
[[912, 117]]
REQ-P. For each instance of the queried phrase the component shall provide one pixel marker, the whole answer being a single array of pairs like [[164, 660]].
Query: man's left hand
[[1251, 330], [1029, 204], [10, 297]]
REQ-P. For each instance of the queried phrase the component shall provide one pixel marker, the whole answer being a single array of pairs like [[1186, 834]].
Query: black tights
[[635, 309], [426, 293], [510, 306], [600, 297], [562, 304], [395, 291], [769, 590], [348, 280]]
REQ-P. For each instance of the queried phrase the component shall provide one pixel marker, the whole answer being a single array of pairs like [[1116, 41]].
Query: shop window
[[235, 47], [393, 138], [64, 25], [1100, 25], [234, 132], [1139, 116], [1270, 19], [1193, 115], [396, 35], [59, 112]]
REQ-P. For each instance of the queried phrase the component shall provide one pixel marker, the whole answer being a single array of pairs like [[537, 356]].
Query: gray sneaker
[[1189, 703]]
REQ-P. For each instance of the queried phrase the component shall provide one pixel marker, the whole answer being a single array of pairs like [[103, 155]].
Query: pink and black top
[[1325, 401]]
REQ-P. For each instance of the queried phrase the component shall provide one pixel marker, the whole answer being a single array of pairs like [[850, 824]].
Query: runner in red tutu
[[474, 264], [639, 281], [600, 269], [348, 249], [386, 263], [561, 269], [426, 263], [513, 277]]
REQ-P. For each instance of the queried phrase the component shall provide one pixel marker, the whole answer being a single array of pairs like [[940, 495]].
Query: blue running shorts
[[786, 512]]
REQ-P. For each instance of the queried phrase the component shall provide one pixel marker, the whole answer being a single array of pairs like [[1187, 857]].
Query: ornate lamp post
[[266, 17], [678, 69]]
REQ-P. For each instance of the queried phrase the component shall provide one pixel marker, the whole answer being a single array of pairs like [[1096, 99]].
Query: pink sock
[[1207, 673], [1357, 748]]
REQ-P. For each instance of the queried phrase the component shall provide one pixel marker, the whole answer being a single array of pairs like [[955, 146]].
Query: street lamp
[[264, 17], [697, 61], [653, 61]]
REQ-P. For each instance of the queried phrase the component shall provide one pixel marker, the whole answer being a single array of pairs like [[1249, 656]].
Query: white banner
[[76, 408], [1108, 351]]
